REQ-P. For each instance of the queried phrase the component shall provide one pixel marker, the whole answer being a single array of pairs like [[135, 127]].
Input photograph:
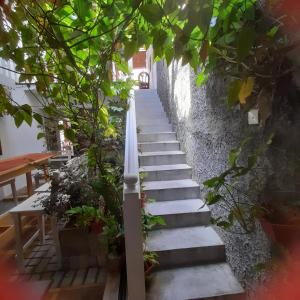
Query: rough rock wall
[[207, 130]]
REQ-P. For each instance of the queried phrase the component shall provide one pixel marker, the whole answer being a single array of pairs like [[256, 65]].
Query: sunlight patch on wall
[[182, 92]]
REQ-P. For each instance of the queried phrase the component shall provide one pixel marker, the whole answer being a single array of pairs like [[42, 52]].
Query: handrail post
[[132, 212]]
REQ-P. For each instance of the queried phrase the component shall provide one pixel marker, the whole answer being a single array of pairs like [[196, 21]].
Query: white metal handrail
[[132, 210]]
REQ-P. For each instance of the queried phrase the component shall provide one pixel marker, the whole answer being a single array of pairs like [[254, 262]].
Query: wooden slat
[[58, 276], [80, 277], [101, 277], [111, 291], [42, 265], [68, 278], [91, 276]]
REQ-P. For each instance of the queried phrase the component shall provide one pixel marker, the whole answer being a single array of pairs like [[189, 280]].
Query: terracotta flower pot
[[80, 248], [143, 199], [96, 227], [148, 267], [284, 234]]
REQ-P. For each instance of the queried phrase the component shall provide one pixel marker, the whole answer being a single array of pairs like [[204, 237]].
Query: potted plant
[[113, 241], [281, 218], [150, 261], [81, 239], [90, 210], [143, 194]]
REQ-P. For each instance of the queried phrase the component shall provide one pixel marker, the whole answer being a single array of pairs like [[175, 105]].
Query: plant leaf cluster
[[224, 190]]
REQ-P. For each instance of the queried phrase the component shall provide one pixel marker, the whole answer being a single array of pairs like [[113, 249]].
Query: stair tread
[[176, 207], [196, 282], [159, 142], [182, 238], [161, 132], [157, 153], [164, 167], [169, 184]]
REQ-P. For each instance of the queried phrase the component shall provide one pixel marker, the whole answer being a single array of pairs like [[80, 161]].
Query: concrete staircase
[[192, 262]]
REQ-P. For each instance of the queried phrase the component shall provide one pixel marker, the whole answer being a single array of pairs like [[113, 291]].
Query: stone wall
[[208, 130]]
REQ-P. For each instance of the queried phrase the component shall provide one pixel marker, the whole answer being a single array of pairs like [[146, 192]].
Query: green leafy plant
[[114, 236], [84, 216], [150, 258], [149, 222], [224, 190]]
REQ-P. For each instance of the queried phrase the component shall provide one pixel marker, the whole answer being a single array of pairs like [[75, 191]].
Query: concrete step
[[161, 158], [167, 172], [180, 213], [186, 246], [159, 146], [156, 137], [207, 282], [153, 128], [147, 115], [172, 189], [163, 121], [140, 107]]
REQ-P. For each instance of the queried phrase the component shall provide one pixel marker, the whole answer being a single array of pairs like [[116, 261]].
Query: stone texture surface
[[199, 282], [207, 130]]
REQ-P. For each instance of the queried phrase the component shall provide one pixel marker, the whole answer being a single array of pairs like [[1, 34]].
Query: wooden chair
[[144, 80], [12, 183]]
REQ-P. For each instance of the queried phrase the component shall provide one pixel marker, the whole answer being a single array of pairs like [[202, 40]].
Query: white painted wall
[[151, 67], [22, 140]]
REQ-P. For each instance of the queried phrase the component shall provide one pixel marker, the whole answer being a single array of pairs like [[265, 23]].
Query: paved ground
[[41, 264]]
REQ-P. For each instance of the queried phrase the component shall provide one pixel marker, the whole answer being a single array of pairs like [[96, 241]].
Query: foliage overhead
[[67, 48]]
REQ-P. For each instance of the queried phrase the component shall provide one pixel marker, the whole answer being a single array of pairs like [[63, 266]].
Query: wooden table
[[32, 206], [23, 164]]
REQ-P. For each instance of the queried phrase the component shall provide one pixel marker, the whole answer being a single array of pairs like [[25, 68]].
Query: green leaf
[[272, 32], [233, 93], [130, 48], [212, 182], [169, 55], [246, 89], [213, 198], [252, 159], [135, 3], [152, 13], [40, 135], [170, 6], [38, 118], [103, 115], [27, 117], [245, 41], [18, 118], [159, 40], [233, 156], [106, 88], [224, 224], [82, 8], [70, 134], [204, 15], [201, 78]]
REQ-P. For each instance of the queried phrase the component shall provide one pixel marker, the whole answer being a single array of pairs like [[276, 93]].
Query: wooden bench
[[12, 183], [45, 188], [32, 207]]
